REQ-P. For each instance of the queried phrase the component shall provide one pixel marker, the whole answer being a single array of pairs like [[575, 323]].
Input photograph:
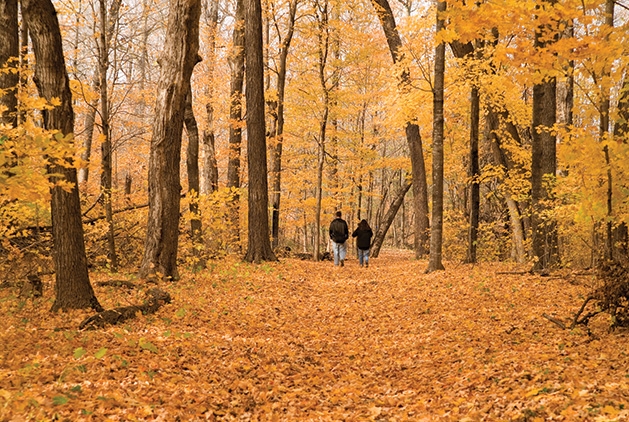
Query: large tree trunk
[[413, 136], [9, 50], [259, 245], [544, 165], [276, 149], [388, 219], [436, 228], [73, 289], [177, 62]]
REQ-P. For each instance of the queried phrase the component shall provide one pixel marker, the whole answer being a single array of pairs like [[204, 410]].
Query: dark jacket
[[339, 232], [364, 238]]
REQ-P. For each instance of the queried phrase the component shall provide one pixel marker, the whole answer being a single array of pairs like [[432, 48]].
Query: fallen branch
[[154, 300], [555, 321]]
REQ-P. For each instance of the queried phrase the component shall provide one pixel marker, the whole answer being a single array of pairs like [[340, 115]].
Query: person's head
[[363, 224], [338, 214]]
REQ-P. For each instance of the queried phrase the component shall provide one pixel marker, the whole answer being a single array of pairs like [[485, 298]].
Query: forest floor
[[301, 340]]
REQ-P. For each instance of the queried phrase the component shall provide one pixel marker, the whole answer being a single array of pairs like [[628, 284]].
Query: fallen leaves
[[300, 340]]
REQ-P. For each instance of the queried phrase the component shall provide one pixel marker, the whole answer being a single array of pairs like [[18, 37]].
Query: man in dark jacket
[[339, 232]]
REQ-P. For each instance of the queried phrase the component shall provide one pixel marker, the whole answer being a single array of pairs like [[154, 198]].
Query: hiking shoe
[[367, 264], [342, 262]]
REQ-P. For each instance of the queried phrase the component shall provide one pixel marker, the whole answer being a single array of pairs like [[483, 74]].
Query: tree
[[9, 55], [259, 245], [278, 132], [177, 61], [237, 65], [72, 285], [413, 136], [436, 226], [544, 158]]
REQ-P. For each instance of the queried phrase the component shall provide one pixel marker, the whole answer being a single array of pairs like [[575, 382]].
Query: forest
[[169, 170]]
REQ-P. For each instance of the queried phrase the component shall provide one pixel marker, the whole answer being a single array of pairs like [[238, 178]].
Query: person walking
[[339, 233], [363, 235]]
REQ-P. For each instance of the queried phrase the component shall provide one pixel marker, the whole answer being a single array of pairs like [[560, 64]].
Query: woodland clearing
[[303, 340]]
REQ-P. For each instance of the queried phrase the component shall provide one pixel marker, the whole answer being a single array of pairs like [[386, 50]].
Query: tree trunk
[[413, 136], [9, 57], [106, 147], [604, 138], [474, 174], [192, 167], [237, 64], [544, 165], [209, 181], [73, 289], [436, 228], [276, 149], [388, 219], [177, 62], [259, 245]]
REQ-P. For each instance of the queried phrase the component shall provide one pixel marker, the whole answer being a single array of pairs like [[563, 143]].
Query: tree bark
[[544, 165], [388, 219], [106, 146], [259, 245], [474, 174], [237, 65], [72, 289], [192, 167], [209, 181], [9, 57], [276, 149], [436, 228], [413, 136], [177, 62]]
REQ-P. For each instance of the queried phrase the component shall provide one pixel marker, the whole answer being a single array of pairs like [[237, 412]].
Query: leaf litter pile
[[301, 340]]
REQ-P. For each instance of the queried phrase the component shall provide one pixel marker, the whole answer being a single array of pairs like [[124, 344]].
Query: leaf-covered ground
[[300, 340]]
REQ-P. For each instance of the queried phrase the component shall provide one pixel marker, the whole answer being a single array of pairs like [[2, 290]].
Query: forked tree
[[177, 61], [73, 289]]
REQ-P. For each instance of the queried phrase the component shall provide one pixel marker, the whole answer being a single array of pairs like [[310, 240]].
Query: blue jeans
[[340, 249], [363, 256]]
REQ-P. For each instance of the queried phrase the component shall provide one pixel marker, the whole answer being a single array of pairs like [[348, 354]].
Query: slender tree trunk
[[259, 245], [209, 181], [192, 167], [276, 149], [474, 174], [106, 146], [72, 289], [237, 64], [544, 165], [436, 228], [604, 138], [177, 62], [9, 57], [413, 136], [381, 232]]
